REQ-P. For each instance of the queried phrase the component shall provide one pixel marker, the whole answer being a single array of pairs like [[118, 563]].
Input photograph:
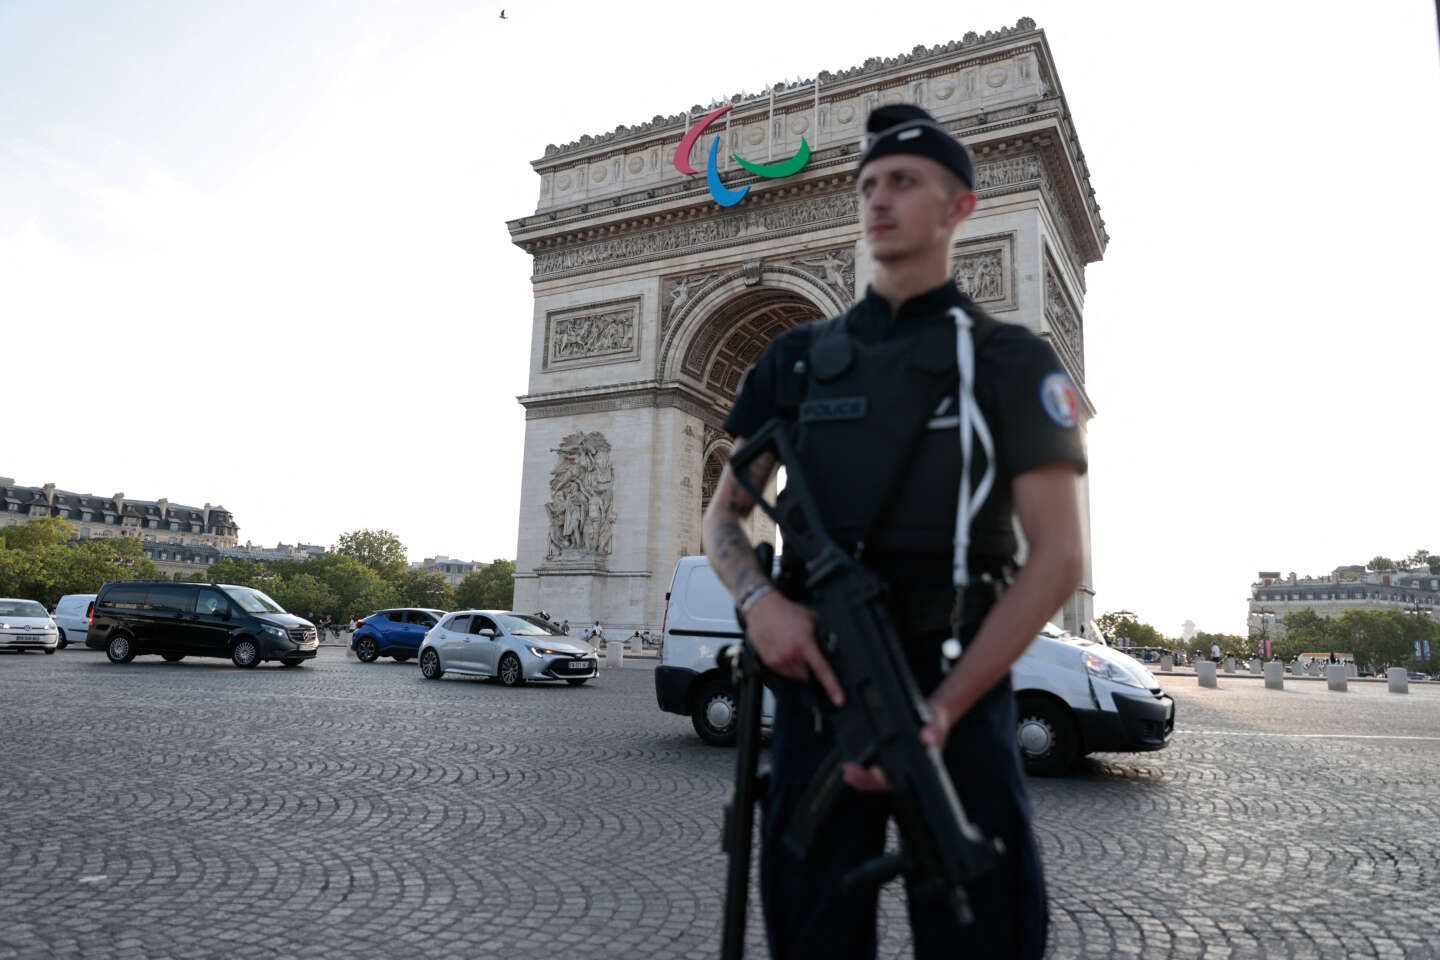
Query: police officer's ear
[[961, 199]]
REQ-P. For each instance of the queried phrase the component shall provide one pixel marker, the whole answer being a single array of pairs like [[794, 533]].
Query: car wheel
[[577, 681], [430, 667], [511, 674], [51, 649], [291, 663], [245, 654], [366, 650], [713, 712], [1049, 744], [64, 641], [402, 658], [172, 657], [120, 649]]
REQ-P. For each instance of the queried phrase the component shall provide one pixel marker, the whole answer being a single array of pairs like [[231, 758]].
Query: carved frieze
[[743, 222], [598, 333], [984, 267], [1008, 172], [582, 499], [1063, 320]]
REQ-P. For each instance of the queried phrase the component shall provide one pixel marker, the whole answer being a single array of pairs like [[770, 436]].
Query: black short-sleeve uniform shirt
[[1029, 403]]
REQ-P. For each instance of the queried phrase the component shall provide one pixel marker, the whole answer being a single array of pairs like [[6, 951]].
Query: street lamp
[[1267, 616]]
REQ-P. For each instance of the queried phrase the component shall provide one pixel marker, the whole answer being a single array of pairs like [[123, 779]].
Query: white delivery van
[[72, 616], [1073, 696]]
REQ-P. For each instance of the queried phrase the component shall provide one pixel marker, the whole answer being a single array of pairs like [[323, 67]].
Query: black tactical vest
[[878, 441]]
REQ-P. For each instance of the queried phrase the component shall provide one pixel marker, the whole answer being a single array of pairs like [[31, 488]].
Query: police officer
[[898, 400]]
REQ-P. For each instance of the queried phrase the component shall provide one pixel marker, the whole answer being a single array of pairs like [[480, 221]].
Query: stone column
[[1274, 675], [1205, 673], [1399, 680], [614, 652], [1335, 674]]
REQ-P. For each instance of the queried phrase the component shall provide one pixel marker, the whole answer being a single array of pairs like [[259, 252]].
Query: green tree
[[421, 588], [490, 588], [1231, 645], [358, 589], [1424, 558], [306, 596], [1125, 626], [380, 550], [1381, 564], [37, 534]]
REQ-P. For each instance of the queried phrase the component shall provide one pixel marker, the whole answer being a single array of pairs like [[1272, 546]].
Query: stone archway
[[723, 348], [651, 300]]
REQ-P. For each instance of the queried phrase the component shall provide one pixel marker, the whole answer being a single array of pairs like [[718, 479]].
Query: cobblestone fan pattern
[[346, 810]]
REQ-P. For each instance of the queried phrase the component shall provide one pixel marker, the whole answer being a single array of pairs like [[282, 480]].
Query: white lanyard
[[972, 424]]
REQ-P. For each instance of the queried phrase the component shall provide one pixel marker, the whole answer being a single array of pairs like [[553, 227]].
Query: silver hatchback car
[[512, 647]]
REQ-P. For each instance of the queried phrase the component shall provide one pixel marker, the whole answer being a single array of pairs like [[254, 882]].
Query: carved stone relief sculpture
[[1063, 320], [984, 269], [597, 334], [835, 268], [582, 499], [981, 275]]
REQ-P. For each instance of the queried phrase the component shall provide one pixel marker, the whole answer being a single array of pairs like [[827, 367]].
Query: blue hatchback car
[[393, 633]]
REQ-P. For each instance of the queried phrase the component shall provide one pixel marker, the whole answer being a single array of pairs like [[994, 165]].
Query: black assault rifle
[[941, 851]]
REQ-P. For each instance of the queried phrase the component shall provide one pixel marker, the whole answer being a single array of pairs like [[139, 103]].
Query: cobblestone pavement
[[350, 810]]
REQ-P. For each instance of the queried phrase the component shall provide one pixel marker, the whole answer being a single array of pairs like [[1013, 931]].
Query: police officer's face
[[910, 207]]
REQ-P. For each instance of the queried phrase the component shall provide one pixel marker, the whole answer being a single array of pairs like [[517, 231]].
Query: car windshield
[[252, 601], [21, 608], [523, 625]]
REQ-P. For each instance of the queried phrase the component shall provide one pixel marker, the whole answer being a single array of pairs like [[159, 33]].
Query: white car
[[26, 625], [511, 647], [1073, 696], [72, 616]]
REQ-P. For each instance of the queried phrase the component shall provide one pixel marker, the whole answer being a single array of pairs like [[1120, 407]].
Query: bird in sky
[[502, 15]]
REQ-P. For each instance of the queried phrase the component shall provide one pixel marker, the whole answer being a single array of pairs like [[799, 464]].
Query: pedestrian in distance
[[915, 343], [565, 627], [1215, 652]]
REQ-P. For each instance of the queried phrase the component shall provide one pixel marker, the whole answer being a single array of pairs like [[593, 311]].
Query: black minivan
[[178, 620]]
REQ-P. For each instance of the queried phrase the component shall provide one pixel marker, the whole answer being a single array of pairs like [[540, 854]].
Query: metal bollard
[[1274, 675], [1205, 673], [1335, 674], [1399, 680]]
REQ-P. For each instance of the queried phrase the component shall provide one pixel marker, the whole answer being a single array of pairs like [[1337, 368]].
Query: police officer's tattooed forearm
[[731, 553]]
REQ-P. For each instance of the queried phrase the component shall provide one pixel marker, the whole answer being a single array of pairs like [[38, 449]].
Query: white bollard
[[1257, 666], [1274, 675], [1351, 670], [614, 652], [1229, 664], [1399, 680], [1205, 673], [1335, 674], [1167, 664]]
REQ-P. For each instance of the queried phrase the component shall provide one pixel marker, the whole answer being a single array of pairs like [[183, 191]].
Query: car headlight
[[274, 631], [1107, 670], [543, 651]]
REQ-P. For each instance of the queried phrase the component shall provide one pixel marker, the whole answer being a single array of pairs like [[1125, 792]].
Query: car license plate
[[576, 666]]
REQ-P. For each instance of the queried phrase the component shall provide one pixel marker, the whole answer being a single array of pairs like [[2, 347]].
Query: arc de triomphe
[[651, 299]]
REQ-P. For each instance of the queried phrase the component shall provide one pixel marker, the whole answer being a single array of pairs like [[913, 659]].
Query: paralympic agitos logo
[[722, 194]]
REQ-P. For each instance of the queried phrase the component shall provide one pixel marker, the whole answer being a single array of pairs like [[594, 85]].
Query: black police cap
[[905, 128]]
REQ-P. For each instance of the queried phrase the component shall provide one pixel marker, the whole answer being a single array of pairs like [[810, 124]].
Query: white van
[[1073, 696], [72, 616]]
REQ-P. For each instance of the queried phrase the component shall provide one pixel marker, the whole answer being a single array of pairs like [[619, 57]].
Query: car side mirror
[[223, 613], [487, 632]]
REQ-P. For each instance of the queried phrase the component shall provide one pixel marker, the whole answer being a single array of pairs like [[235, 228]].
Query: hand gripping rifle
[[941, 852]]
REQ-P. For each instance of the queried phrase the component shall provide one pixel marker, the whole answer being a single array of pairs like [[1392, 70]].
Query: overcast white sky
[[255, 254]]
